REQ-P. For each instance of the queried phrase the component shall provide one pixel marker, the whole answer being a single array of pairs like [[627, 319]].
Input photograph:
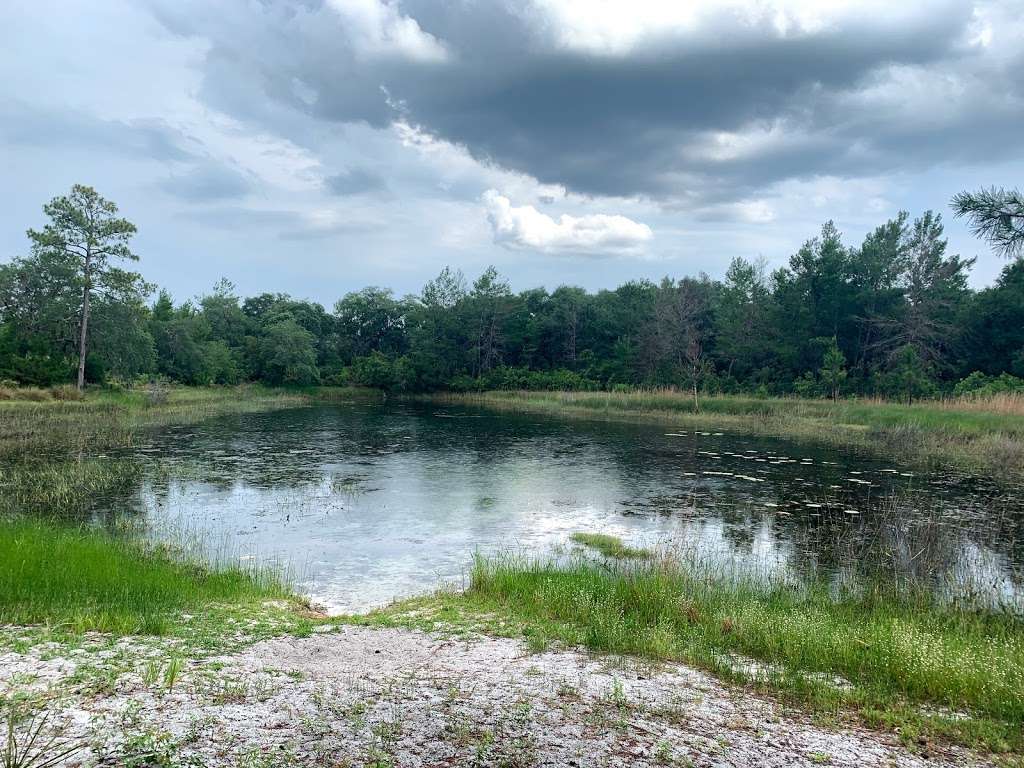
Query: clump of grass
[[86, 579], [610, 546], [33, 745], [901, 661]]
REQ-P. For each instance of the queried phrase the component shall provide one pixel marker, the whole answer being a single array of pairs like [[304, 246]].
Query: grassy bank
[[903, 663], [80, 579], [983, 435], [53, 449], [104, 419]]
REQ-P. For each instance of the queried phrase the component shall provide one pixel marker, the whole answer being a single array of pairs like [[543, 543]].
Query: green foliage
[[807, 386], [997, 215], [508, 378], [30, 360], [978, 384], [908, 377], [995, 325], [836, 320], [287, 354], [84, 234], [378, 371], [833, 369]]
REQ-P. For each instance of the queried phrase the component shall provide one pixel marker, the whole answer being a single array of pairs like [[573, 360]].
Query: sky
[[315, 147]]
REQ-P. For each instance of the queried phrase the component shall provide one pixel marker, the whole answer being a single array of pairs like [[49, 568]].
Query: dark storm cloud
[[618, 124]]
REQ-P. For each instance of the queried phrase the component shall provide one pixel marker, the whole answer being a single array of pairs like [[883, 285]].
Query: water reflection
[[371, 502]]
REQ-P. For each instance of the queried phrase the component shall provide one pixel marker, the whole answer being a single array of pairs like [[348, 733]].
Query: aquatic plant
[[610, 546]]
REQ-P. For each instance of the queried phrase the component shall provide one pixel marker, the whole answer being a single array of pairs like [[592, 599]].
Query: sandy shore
[[357, 696]]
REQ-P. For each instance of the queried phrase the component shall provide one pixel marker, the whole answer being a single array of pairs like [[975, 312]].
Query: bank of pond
[[892, 660], [810, 565]]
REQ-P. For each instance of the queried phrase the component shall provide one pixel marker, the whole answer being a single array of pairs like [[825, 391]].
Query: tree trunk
[[85, 324]]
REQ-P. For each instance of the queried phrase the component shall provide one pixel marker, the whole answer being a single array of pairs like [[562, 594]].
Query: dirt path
[[375, 697]]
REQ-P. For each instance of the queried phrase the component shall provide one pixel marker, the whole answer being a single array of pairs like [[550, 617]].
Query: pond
[[368, 502]]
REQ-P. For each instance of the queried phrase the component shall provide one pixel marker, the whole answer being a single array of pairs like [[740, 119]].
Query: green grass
[[984, 435], [610, 546], [901, 663], [82, 579]]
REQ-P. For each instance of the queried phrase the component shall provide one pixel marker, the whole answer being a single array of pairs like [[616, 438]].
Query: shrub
[[978, 384], [380, 372]]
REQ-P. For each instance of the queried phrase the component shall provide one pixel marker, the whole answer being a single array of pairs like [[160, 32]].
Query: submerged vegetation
[[901, 661], [980, 434], [54, 452]]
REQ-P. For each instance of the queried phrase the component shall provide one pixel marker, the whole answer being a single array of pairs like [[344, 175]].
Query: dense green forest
[[891, 316]]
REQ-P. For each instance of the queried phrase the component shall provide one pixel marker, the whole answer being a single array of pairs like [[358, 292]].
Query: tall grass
[[881, 653], [978, 434], [85, 579], [53, 450], [106, 419]]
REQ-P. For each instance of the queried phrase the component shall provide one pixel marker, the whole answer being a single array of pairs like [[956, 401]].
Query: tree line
[[892, 316]]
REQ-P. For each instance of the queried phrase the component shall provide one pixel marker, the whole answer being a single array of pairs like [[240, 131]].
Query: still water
[[369, 502]]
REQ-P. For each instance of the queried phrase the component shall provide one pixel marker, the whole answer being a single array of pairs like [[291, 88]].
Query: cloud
[[285, 224], [371, 128], [209, 181], [355, 181], [39, 126], [378, 29], [526, 227], [690, 104]]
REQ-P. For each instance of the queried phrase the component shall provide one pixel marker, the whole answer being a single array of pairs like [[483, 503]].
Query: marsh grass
[[62, 487], [610, 546], [106, 419], [978, 434], [84, 579], [901, 661], [54, 456]]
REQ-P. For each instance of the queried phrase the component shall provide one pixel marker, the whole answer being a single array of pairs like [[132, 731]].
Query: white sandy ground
[[359, 696]]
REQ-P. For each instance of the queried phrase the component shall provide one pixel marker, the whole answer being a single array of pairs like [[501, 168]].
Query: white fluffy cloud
[[526, 227], [621, 27], [379, 29]]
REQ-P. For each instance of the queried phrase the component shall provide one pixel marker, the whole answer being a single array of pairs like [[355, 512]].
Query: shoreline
[[85, 651], [399, 697], [928, 434]]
